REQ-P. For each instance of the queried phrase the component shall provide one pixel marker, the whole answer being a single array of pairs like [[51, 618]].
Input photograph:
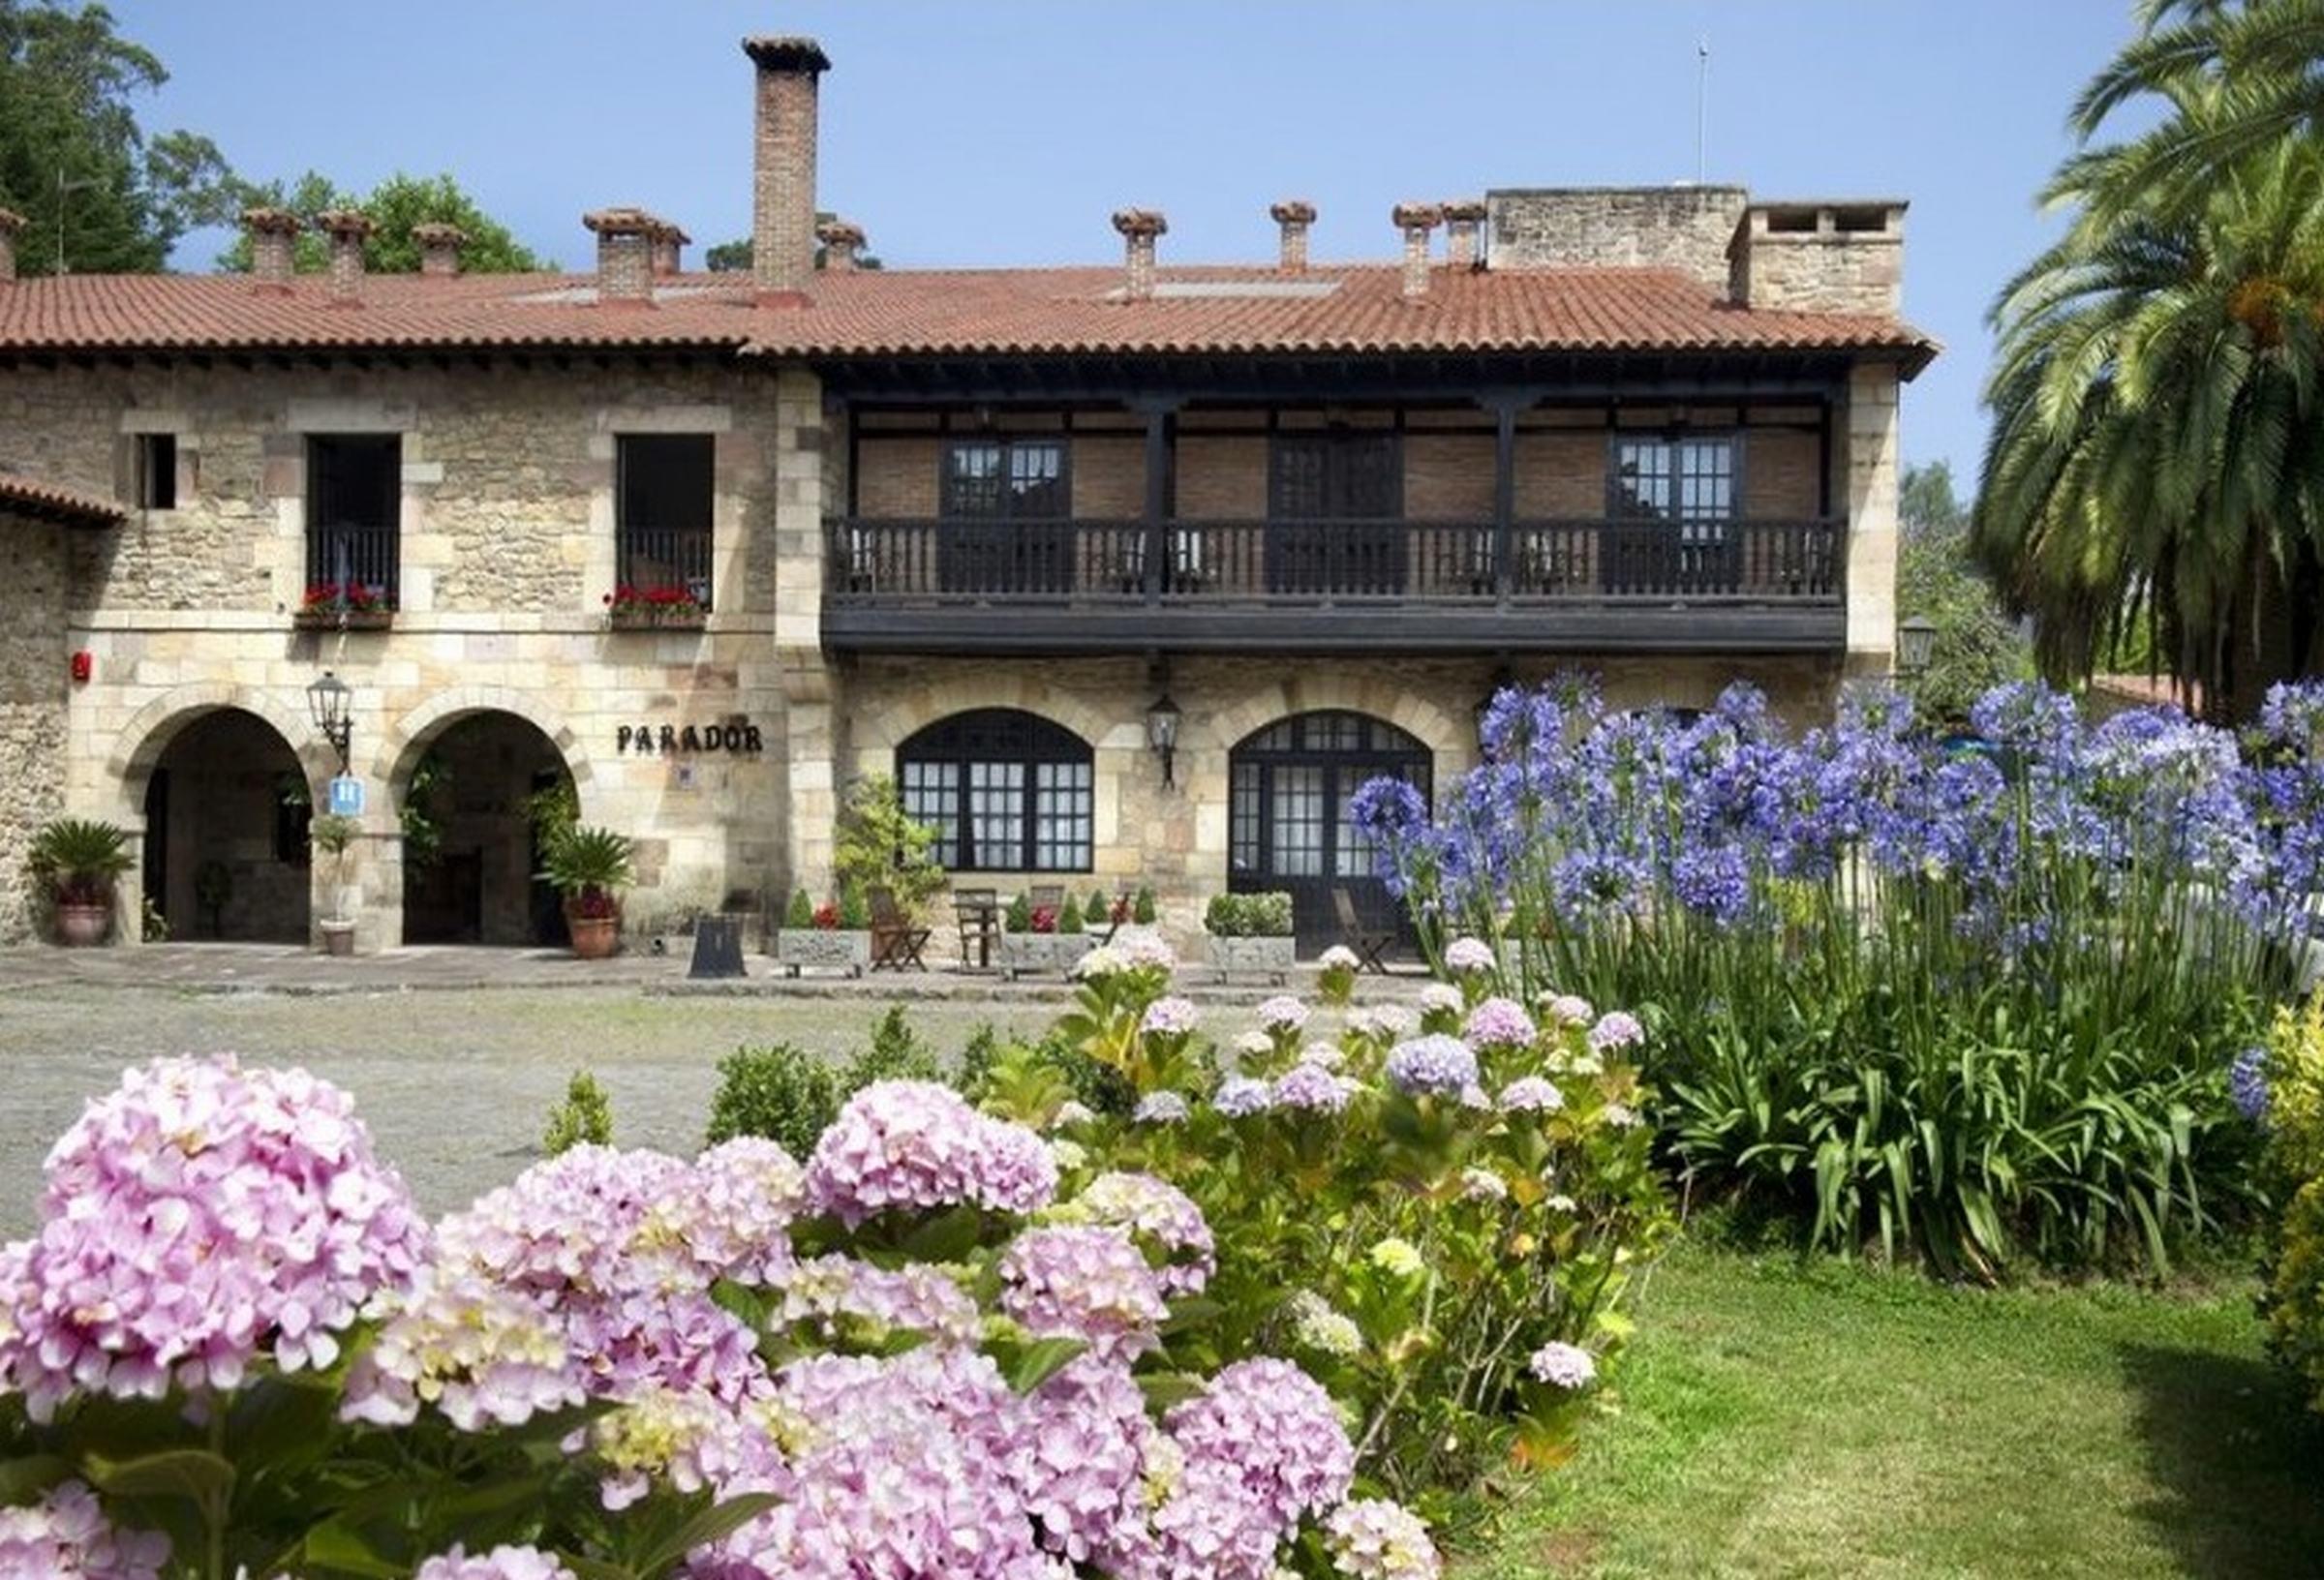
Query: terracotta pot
[[338, 937], [596, 938], [78, 927]]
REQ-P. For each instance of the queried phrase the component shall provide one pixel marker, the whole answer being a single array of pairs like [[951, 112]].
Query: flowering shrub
[[358, 597], [919, 1354], [1370, 1209], [2283, 1085], [649, 603], [1982, 1003]]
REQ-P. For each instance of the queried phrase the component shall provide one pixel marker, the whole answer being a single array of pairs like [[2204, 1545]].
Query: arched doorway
[[1288, 828], [473, 800], [226, 807]]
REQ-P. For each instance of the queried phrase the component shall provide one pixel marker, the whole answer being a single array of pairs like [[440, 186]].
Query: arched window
[[1006, 792]]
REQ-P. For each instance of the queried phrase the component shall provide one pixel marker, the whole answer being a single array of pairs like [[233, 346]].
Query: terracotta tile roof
[[1332, 310], [45, 501]]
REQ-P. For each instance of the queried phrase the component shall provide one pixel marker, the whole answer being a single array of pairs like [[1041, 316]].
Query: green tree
[[395, 207], [734, 256], [94, 189], [1977, 646], [2156, 460]]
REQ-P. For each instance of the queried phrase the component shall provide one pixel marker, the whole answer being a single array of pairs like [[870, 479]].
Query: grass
[[1776, 1418]]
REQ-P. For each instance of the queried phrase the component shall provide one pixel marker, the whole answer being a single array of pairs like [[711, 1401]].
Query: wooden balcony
[[1096, 586]]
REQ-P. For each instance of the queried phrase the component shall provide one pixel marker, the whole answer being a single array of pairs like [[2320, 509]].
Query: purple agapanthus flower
[[2248, 1083]]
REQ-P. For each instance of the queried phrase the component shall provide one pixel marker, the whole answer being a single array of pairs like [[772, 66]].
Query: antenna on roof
[[1702, 102]]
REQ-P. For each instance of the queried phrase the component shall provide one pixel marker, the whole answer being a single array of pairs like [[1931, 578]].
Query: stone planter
[[324, 617], [79, 926], [1271, 958], [1042, 952], [839, 948], [595, 937], [338, 938], [657, 619]]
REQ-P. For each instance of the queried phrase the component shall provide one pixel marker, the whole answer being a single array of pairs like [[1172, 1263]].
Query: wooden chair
[[977, 912], [1368, 943], [897, 940]]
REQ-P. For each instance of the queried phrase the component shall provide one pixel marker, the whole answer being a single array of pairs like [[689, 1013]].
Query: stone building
[[706, 547]]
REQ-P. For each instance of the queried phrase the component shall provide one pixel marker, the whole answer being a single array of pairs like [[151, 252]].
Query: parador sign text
[[681, 739]]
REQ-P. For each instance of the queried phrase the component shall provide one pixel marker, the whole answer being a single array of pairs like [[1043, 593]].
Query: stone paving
[[455, 1056]]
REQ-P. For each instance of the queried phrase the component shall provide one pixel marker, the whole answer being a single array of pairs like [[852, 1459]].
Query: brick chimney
[[1295, 215], [669, 248], [1461, 222], [625, 255], [439, 247], [842, 241], [273, 246], [1139, 226], [1416, 221], [10, 222], [783, 208], [345, 229]]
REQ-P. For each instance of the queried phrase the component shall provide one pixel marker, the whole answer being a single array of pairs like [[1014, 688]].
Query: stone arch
[[411, 734], [139, 743], [880, 732], [1447, 735]]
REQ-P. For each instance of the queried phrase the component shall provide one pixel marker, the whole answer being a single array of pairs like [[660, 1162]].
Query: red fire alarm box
[[84, 664]]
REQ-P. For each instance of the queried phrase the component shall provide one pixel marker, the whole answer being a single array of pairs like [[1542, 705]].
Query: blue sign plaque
[[347, 795]]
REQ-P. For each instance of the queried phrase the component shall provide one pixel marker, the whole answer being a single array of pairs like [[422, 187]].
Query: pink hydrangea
[[748, 1191], [1432, 1065], [1282, 1015], [1384, 1021], [1276, 1429], [66, 1536], [1309, 1087], [1571, 1010], [500, 1564], [915, 1146], [1562, 1365], [689, 1441], [1170, 1017], [196, 1218], [478, 1352], [1238, 1097], [826, 1290], [1373, 1539], [1083, 1283], [1499, 1022], [1531, 1094], [1159, 1216], [1463, 956], [1441, 998], [1616, 1029], [1090, 1451]]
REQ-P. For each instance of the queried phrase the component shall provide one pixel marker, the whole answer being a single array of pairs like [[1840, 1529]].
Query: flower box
[[842, 948], [653, 617], [1043, 952], [331, 618], [1268, 957]]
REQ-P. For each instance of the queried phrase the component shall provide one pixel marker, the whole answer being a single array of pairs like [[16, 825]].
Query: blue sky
[[1007, 131]]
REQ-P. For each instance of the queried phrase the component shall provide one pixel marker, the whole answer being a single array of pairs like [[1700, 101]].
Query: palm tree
[[2158, 449]]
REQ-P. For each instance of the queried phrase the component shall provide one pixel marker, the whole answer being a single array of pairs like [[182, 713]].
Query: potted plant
[[80, 860], [335, 837], [589, 867], [1251, 933], [815, 935], [876, 846], [656, 608], [352, 606], [1042, 938]]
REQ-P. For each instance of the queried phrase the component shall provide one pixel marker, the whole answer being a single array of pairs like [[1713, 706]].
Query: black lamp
[[328, 702], [1162, 731], [1915, 644]]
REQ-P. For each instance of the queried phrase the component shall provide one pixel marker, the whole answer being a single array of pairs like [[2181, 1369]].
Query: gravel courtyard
[[455, 1085]]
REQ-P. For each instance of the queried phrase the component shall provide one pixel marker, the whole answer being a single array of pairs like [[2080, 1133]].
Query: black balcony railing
[[656, 559], [924, 563], [358, 563]]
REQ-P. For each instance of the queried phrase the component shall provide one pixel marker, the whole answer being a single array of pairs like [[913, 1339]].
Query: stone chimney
[[439, 247], [1416, 221], [346, 228], [625, 255], [842, 241], [1461, 222], [10, 222], [1615, 227], [1295, 215], [1820, 256], [669, 248], [782, 210], [273, 246], [1139, 226]]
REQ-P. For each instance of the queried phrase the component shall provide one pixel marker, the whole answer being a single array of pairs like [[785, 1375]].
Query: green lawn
[[1780, 1419]]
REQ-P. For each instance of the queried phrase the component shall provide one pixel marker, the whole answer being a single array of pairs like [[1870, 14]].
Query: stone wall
[[1672, 228], [33, 684], [1827, 257]]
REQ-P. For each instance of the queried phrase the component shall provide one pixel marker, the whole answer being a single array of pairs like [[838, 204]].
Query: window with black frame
[[665, 486], [1007, 508], [1685, 485], [355, 497], [1006, 791]]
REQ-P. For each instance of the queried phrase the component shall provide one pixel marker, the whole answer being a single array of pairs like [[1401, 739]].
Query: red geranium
[[1045, 919], [671, 599], [359, 597], [827, 915]]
